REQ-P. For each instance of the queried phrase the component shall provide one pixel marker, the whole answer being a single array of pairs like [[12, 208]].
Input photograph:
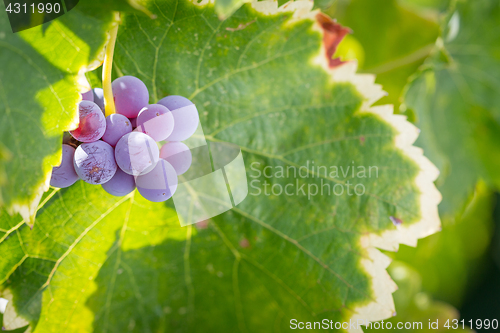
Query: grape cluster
[[122, 151]]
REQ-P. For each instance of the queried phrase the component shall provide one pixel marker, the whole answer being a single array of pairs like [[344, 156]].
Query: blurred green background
[[454, 274]]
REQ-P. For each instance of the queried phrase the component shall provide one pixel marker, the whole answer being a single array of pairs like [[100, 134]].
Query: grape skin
[[130, 95], [177, 154], [92, 123], [136, 153], [88, 96], [117, 125], [174, 102], [64, 175], [121, 184], [95, 162], [156, 121], [159, 184], [185, 119], [99, 97]]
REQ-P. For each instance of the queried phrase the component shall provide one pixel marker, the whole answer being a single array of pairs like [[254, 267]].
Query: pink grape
[[185, 114], [64, 175], [95, 162], [177, 154], [159, 184], [156, 121], [92, 122], [121, 184], [136, 153], [130, 95], [117, 125], [88, 96]]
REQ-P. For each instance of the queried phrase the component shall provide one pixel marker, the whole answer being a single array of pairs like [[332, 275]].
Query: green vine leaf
[[4, 157], [456, 88], [261, 79], [38, 97]]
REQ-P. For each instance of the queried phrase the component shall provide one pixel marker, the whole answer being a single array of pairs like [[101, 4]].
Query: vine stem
[[109, 102]]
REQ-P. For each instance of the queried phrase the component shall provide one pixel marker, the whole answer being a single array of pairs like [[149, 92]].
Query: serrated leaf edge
[[382, 285]]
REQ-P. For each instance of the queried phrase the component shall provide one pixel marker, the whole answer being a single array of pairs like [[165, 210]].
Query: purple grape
[[136, 153], [156, 121], [92, 122], [95, 162], [99, 97], [177, 154], [117, 125], [159, 184], [130, 95], [174, 102], [64, 175], [185, 114], [121, 184], [88, 96]]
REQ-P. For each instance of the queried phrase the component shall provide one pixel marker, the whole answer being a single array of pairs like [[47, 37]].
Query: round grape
[[117, 125], [92, 122], [88, 96], [156, 121], [136, 153], [174, 102], [99, 97], [185, 114], [121, 184], [130, 95], [64, 175], [95, 162], [177, 154], [159, 184]]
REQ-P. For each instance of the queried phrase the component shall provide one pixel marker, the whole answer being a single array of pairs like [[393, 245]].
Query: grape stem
[[109, 103]]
